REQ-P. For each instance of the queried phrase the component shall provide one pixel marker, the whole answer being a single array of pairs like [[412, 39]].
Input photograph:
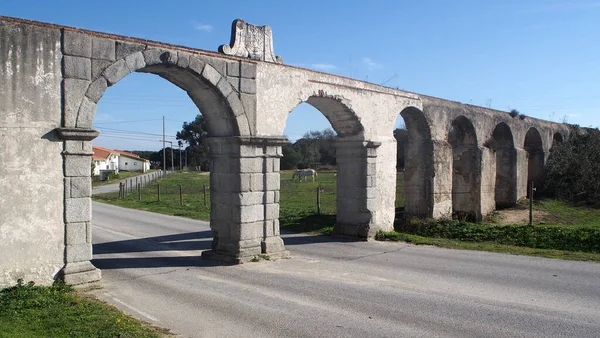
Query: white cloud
[[203, 27], [326, 67], [371, 65]]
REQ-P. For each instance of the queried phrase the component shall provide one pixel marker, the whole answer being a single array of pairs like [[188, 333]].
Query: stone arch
[[418, 167], [502, 143], [557, 138], [466, 169], [210, 90], [337, 110], [536, 157]]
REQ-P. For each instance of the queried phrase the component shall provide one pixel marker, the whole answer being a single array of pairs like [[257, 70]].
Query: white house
[[132, 162], [113, 161], [105, 160]]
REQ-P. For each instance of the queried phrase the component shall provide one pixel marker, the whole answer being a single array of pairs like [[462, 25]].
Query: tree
[[195, 134], [573, 168]]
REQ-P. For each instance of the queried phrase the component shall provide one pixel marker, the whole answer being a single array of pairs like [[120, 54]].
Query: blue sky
[[541, 57]]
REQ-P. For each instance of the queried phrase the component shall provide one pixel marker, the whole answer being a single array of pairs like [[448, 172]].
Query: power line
[[114, 122]]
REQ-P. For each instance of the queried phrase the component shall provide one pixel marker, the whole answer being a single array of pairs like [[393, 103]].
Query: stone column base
[[81, 275]]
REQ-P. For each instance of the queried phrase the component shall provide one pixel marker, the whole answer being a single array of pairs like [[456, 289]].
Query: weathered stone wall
[[31, 170]]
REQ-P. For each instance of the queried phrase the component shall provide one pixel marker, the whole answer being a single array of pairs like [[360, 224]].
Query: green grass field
[[298, 212], [27, 310]]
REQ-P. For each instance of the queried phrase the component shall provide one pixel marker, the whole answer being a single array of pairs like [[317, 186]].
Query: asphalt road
[[336, 288]]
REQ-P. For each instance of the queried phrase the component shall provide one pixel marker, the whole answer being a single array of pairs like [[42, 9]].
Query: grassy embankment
[[560, 230], [27, 310]]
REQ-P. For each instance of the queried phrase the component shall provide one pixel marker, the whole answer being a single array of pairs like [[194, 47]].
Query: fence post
[[180, 196], [120, 189], [139, 186], [531, 190], [204, 191], [136, 181], [318, 200], [158, 190], [130, 185]]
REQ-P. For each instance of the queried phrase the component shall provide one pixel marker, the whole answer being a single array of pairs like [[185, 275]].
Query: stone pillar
[[244, 187], [418, 179], [522, 159], [365, 188], [441, 185], [78, 269], [487, 199]]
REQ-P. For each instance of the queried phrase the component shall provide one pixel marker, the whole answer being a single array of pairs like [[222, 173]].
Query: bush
[[541, 237], [573, 169]]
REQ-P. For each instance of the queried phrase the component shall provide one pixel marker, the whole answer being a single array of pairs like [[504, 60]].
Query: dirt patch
[[520, 216]]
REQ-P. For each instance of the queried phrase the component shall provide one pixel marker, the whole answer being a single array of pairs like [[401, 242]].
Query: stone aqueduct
[[52, 77]]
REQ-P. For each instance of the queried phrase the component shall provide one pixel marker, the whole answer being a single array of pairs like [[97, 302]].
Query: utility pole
[[164, 155], [179, 143]]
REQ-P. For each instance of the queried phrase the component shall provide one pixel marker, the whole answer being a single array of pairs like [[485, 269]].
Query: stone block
[[250, 198], [196, 64], [248, 86], [234, 82], [87, 113], [74, 90], [248, 70], [270, 197], [247, 213], [276, 196], [81, 187], [272, 211], [116, 72], [77, 44], [77, 166], [274, 245], [76, 233], [123, 49], [183, 59], [75, 147], [249, 103], [233, 68], [211, 75], [273, 181], [257, 182], [251, 165], [103, 49], [78, 252], [98, 66], [135, 61], [78, 209], [88, 230], [219, 65], [77, 67], [96, 89], [246, 231], [159, 56], [224, 87]]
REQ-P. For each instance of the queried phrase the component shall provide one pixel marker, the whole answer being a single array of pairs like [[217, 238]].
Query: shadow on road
[[200, 240]]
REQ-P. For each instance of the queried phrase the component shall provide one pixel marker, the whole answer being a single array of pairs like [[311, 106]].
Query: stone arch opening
[[536, 157], [506, 166], [466, 169], [351, 158], [418, 163], [557, 138], [217, 99]]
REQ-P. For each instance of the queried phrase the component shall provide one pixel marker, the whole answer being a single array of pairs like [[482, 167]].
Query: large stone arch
[[503, 144], [419, 164], [534, 146], [466, 168], [86, 79], [93, 63]]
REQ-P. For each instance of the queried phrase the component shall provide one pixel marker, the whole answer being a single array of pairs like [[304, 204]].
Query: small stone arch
[[557, 139], [338, 112], [466, 169], [418, 167], [502, 142], [536, 157]]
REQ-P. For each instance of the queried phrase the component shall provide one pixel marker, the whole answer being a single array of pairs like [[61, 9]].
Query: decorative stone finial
[[250, 41]]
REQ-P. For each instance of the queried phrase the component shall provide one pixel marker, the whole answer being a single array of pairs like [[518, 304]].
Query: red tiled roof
[[101, 153]]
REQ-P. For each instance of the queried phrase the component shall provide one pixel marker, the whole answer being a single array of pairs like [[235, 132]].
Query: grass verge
[[27, 310], [486, 246]]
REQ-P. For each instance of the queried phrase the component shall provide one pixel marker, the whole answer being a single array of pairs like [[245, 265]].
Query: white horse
[[304, 173]]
